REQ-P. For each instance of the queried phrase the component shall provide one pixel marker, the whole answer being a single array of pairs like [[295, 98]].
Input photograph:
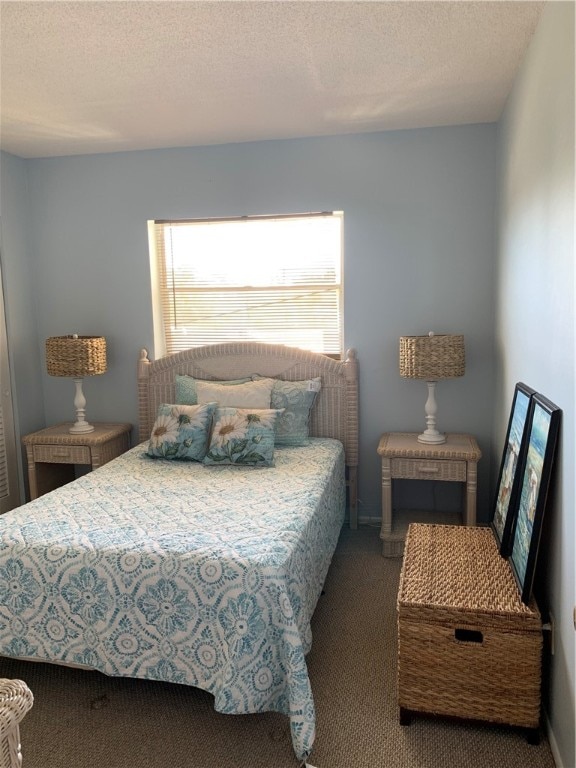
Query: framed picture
[[542, 433], [506, 502]]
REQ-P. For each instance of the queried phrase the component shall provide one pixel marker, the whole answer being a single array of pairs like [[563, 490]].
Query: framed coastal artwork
[[541, 437], [506, 502]]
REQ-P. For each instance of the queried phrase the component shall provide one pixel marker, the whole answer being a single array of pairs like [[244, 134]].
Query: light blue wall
[[419, 210], [535, 313]]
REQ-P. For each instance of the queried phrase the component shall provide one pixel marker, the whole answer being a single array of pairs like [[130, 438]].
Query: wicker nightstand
[[53, 452], [403, 457]]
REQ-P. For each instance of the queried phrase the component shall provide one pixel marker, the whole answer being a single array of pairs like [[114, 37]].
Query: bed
[[199, 572]]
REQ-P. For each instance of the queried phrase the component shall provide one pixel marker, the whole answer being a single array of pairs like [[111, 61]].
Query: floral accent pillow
[[297, 399], [243, 436], [186, 387], [181, 432]]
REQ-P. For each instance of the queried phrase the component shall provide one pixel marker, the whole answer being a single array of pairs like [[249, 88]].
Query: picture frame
[[541, 438], [506, 500]]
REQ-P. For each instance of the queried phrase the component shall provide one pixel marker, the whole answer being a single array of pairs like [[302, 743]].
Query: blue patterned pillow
[[297, 399], [186, 393], [181, 431], [243, 436]]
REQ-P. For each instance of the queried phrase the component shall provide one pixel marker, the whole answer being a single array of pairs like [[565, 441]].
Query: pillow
[[186, 388], [297, 399], [242, 436], [252, 394], [181, 431]]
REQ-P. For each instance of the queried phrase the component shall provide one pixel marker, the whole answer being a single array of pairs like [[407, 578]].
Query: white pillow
[[252, 394]]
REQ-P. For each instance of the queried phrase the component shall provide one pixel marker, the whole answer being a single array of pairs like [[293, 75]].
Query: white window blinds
[[270, 279]]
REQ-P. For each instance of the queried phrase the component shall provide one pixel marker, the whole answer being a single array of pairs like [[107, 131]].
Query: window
[[274, 279]]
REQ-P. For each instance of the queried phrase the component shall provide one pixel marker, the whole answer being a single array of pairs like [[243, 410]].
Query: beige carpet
[[87, 720]]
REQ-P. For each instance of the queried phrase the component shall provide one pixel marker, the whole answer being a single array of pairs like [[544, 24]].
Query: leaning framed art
[[506, 502], [541, 437]]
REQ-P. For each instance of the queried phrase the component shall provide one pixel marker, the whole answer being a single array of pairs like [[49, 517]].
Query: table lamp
[[431, 358], [75, 357]]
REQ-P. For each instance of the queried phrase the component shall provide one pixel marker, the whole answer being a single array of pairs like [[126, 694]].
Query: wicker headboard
[[335, 412]]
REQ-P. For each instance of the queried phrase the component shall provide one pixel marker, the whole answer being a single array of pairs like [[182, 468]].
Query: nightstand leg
[[32, 483], [386, 528], [471, 487]]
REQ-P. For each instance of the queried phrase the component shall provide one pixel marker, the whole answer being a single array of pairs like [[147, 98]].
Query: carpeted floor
[[87, 720]]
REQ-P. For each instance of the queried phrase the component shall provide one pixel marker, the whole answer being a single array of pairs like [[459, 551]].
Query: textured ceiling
[[87, 77]]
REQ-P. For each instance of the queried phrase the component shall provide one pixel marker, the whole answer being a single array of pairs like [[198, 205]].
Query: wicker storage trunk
[[467, 646]]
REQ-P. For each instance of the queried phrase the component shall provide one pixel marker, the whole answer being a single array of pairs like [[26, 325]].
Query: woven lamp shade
[[432, 357], [76, 356]]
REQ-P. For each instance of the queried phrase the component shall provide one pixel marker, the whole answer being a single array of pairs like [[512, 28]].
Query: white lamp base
[[435, 438], [81, 426], [431, 434]]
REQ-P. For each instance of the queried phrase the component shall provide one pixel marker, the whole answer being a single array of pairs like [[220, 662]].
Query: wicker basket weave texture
[[468, 646], [59, 435], [496, 681], [457, 571], [432, 357], [76, 356], [16, 700]]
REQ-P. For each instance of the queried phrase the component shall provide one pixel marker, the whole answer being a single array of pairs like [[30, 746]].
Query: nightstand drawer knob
[[61, 454], [429, 470]]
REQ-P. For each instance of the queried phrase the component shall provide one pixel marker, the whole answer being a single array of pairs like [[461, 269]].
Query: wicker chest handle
[[429, 470], [62, 454], [468, 636]]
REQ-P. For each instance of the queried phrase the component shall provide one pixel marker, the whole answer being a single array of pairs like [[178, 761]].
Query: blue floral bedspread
[[174, 571]]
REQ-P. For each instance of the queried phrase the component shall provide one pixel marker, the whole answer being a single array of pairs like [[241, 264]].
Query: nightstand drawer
[[428, 469], [62, 454]]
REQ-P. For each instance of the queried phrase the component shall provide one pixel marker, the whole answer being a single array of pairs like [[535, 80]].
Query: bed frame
[[335, 412]]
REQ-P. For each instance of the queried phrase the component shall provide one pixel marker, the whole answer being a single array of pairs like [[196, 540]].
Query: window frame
[[160, 290]]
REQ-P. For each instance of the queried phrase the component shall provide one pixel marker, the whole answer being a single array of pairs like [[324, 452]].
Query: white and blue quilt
[[175, 571]]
